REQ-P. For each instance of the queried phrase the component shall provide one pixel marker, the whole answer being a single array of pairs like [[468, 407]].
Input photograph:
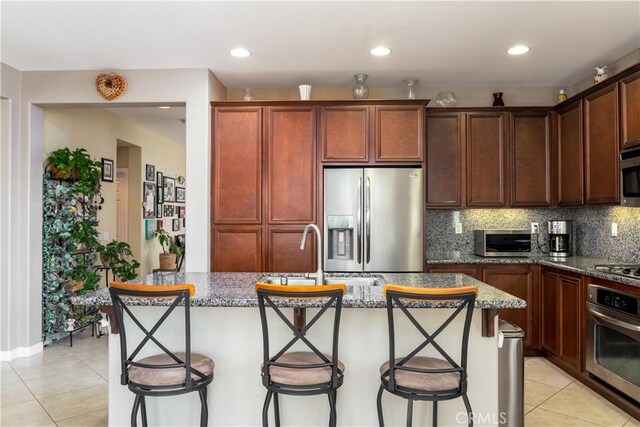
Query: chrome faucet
[[303, 242]]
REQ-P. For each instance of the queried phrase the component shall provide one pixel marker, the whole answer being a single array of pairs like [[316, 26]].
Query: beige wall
[[467, 96], [99, 131]]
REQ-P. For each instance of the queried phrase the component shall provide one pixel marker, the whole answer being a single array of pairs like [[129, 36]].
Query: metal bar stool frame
[[182, 294], [333, 294], [396, 296]]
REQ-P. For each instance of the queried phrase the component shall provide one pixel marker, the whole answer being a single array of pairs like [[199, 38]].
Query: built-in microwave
[[630, 177], [502, 243]]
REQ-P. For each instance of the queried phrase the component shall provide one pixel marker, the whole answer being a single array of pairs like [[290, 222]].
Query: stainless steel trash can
[[510, 375]]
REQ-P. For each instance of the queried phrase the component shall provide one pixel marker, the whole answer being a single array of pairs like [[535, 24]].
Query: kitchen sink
[[329, 280]]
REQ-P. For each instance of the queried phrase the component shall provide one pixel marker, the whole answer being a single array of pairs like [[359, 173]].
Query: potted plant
[[76, 166], [170, 251], [119, 257]]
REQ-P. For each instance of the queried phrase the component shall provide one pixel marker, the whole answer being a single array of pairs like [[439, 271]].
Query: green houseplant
[[77, 166], [119, 256], [170, 250]]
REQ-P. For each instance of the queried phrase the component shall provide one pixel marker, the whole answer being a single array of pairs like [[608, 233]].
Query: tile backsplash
[[592, 226]]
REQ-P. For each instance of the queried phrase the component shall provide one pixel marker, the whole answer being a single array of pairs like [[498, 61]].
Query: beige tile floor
[[67, 386]]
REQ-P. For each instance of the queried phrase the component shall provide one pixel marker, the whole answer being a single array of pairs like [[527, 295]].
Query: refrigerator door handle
[[367, 221], [359, 222]]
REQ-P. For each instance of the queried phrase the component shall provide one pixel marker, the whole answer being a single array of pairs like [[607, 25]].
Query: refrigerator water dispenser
[[341, 231]]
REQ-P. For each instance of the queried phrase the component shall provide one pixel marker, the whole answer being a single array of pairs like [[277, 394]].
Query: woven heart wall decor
[[111, 85]]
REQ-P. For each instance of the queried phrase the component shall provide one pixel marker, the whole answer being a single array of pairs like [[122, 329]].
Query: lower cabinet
[[561, 317], [237, 248], [518, 280], [284, 254]]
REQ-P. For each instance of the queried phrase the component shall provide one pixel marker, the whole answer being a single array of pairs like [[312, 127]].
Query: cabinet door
[[291, 165], [570, 156], [570, 313], [344, 134], [284, 254], [530, 159], [237, 248], [549, 312], [601, 147], [399, 133], [444, 160], [518, 281], [237, 165], [630, 111], [485, 157], [469, 270]]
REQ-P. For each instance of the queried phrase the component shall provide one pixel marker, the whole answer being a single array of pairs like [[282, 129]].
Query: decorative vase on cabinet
[[361, 90]]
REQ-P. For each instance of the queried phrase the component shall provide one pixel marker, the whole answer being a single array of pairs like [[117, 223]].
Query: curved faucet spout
[[303, 242]]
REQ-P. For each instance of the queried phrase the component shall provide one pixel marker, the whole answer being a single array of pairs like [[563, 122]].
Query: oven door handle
[[613, 321]]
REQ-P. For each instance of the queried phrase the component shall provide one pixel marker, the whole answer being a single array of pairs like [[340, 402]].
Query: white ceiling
[[168, 123], [325, 43]]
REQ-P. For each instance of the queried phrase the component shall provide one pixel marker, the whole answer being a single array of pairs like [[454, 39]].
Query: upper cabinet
[[630, 111], [399, 133], [344, 133], [602, 179], [530, 155], [444, 171], [486, 160], [237, 165], [570, 156]]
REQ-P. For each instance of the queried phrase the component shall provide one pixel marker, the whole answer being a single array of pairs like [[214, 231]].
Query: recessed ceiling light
[[380, 51], [164, 107], [518, 50], [240, 52]]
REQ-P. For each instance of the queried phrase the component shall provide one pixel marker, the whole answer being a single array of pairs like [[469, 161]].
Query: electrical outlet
[[534, 228], [105, 236], [614, 229], [458, 228]]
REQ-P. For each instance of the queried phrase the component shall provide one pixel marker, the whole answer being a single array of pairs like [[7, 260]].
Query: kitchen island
[[226, 326]]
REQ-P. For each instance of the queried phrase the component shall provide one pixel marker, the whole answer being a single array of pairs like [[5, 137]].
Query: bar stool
[[415, 377], [300, 373], [167, 373]]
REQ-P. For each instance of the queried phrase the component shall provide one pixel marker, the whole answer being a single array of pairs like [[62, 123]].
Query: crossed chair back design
[[166, 374], [316, 372], [399, 372]]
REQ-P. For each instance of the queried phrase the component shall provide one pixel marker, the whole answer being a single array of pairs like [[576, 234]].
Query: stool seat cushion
[[169, 376], [424, 381], [301, 376]]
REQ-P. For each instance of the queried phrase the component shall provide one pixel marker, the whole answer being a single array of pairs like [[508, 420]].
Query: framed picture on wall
[[169, 189], [169, 210], [181, 194], [107, 170], [159, 211], [148, 200], [150, 228], [160, 186], [159, 224], [181, 212], [151, 173], [176, 225]]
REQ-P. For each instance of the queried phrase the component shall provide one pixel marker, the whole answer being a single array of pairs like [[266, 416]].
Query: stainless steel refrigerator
[[373, 219]]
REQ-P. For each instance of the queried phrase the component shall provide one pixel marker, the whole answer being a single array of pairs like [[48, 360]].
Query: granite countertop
[[236, 290], [575, 264]]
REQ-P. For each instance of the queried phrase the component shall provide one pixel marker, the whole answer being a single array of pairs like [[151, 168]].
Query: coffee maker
[[560, 238]]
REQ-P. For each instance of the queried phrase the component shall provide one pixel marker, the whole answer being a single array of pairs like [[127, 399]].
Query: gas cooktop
[[626, 270]]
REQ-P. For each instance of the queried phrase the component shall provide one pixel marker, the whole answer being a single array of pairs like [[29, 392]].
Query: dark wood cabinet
[[530, 154], [284, 254], [237, 248], [570, 170], [630, 111], [602, 176], [399, 133], [237, 165], [445, 164], [344, 133], [469, 270], [486, 160], [561, 317], [520, 281], [291, 165]]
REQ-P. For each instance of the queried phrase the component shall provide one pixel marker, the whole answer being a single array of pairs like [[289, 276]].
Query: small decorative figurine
[[497, 99], [562, 95], [247, 95], [601, 74]]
